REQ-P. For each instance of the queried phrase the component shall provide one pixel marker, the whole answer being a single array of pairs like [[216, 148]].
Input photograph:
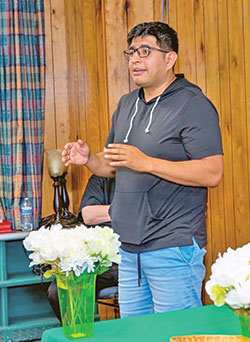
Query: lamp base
[[70, 220], [67, 222]]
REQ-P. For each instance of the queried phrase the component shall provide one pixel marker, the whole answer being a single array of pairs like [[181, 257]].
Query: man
[[164, 148], [93, 211]]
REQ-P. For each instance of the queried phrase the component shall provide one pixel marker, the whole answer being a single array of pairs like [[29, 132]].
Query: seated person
[[93, 211]]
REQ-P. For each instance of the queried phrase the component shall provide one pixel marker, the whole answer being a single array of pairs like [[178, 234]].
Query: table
[[160, 327]]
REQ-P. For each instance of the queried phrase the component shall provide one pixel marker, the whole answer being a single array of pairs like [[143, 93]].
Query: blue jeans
[[162, 280]]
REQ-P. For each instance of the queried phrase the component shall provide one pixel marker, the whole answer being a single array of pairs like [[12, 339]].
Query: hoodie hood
[[178, 84]]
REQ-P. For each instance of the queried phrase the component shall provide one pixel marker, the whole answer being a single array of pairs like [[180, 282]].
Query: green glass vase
[[77, 304], [244, 318]]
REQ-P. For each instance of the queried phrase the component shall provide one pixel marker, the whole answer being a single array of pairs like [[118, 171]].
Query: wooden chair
[[107, 300]]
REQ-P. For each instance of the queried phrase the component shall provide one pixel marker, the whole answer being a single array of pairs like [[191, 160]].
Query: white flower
[[75, 249], [230, 279]]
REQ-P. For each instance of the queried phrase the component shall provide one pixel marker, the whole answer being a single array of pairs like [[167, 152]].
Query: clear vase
[[77, 304], [244, 318]]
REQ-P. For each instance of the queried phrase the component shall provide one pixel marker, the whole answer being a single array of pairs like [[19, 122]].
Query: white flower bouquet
[[73, 250], [230, 280]]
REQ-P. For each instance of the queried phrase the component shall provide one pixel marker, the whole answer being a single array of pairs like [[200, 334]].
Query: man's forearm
[[205, 172], [100, 166], [95, 214]]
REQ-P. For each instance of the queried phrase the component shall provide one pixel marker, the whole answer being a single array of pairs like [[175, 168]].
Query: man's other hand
[[75, 153]]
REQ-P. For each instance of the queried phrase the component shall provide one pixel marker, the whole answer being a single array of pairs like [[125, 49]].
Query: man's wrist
[[149, 165], [88, 160]]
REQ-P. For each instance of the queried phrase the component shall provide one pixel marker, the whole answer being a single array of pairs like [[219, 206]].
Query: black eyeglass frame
[[129, 56]]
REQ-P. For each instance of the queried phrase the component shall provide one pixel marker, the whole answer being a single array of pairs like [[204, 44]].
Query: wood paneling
[[239, 120], [87, 74], [185, 23], [116, 27], [215, 223], [74, 178], [200, 64], [226, 125], [172, 20], [50, 125], [159, 11], [75, 41], [246, 80]]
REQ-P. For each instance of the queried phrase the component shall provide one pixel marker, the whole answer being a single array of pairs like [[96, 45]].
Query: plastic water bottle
[[26, 215]]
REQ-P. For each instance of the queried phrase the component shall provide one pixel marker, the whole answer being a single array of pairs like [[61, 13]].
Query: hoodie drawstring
[[151, 115], [139, 269], [133, 116], [131, 121]]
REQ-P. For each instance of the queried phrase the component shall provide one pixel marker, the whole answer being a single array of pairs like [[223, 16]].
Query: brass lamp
[[58, 171]]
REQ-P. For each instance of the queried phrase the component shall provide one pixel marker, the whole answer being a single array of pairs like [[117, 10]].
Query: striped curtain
[[22, 73]]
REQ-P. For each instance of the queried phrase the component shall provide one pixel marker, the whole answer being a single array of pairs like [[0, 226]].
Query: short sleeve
[[111, 135], [94, 192], [200, 130]]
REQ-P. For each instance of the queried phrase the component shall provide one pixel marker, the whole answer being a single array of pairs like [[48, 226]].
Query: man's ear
[[171, 58]]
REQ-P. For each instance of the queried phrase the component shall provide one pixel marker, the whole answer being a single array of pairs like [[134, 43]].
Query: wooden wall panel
[[116, 32], [172, 20], [212, 89], [139, 13], [60, 67], [226, 125], [80, 175], [246, 46], [200, 63], [185, 23], [102, 72], [87, 74], [210, 22], [50, 126], [77, 56], [239, 121], [159, 11], [89, 125], [50, 130], [90, 76], [74, 178]]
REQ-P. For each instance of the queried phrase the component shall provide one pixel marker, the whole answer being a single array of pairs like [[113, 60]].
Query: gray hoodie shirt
[[149, 212]]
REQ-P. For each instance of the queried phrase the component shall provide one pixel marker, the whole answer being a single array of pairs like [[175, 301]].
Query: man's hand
[[75, 153], [127, 155]]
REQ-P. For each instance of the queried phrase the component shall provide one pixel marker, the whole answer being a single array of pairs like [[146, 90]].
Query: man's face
[[149, 72]]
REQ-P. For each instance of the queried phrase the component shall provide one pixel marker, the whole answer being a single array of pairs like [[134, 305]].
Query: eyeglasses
[[143, 52]]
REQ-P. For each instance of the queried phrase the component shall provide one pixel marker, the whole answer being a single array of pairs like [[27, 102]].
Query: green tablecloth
[[159, 327]]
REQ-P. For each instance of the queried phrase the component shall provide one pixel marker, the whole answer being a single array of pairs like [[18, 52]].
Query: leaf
[[51, 272], [220, 295], [101, 269], [48, 273]]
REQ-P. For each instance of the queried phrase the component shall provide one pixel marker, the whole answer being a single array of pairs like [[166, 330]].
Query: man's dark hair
[[165, 36]]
